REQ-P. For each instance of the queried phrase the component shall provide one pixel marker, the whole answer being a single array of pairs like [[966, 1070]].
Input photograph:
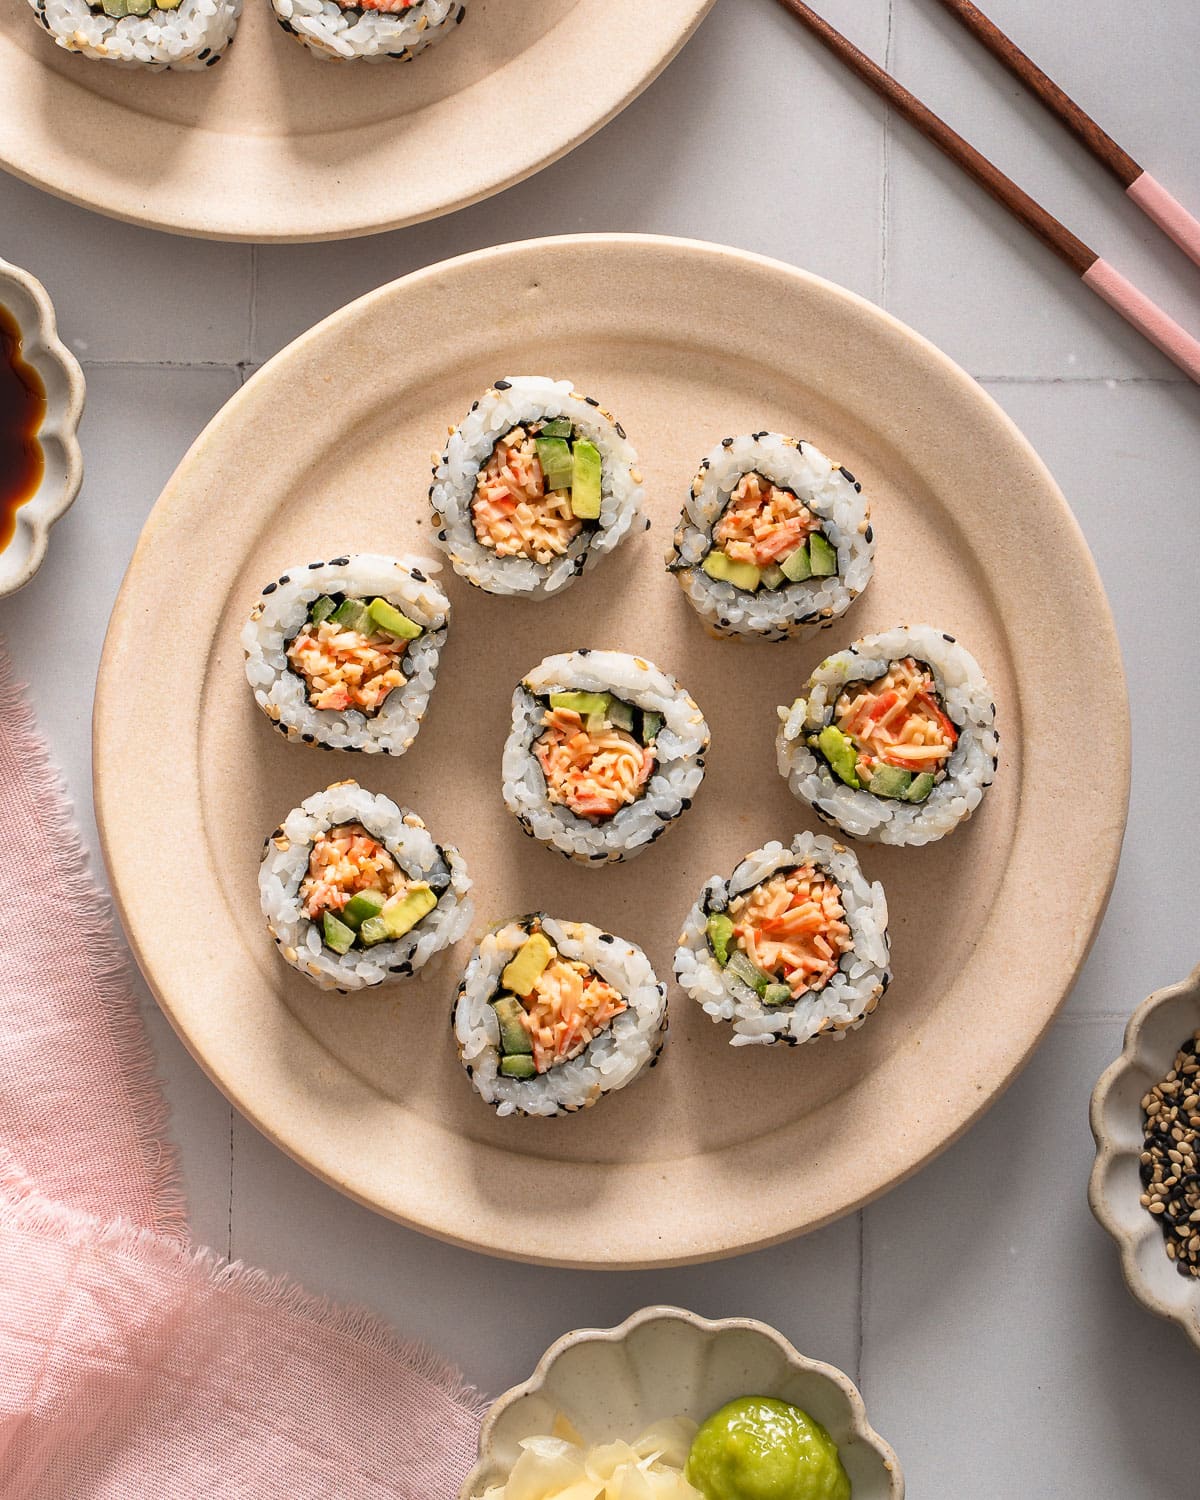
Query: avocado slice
[[890, 781], [585, 480], [336, 934], [651, 724], [558, 427], [320, 609], [362, 907], [921, 787], [522, 972], [797, 565], [822, 555], [402, 916], [839, 750], [353, 614], [719, 928], [517, 1066], [742, 575], [773, 576], [387, 617], [747, 971], [620, 714], [513, 1036], [777, 994], [583, 704], [558, 467]]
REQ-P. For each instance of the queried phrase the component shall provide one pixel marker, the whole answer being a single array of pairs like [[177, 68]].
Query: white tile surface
[[999, 1350]]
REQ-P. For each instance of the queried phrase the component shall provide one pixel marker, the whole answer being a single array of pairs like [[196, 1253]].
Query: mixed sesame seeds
[[1170, 1159]]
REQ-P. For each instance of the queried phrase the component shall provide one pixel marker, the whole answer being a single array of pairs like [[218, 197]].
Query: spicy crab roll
[[536, 483], [892, 740], [370, 30], [605, 752], [151, 34], [792, 946], [356, 892], [551, 1015], [344, 653], [775, 540]]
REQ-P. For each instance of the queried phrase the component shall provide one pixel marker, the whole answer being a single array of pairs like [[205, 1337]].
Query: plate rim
[[1101, 879], [132, 203]]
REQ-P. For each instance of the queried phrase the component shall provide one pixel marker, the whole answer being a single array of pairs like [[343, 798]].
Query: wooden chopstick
[[1149, 195], [1097, 274]]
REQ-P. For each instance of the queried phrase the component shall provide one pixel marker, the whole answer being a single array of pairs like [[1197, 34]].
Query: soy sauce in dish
[[22, 408]]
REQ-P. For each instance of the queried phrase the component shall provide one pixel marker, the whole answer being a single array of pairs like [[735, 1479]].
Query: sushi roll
[[792, 946], [344, 654], [892, 740], [536, 483], [368, 29], [775, 540], [552, 1015], [357, 893], [151, 34], [605, 752]]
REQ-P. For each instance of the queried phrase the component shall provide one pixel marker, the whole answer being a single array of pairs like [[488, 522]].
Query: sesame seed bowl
[[665, 1362], [26, 300], [1161, 1026]]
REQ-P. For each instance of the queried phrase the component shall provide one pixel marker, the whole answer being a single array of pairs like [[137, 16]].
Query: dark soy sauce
[[22, 409]]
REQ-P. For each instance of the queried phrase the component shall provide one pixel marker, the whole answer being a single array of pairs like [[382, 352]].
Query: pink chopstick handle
[[1167, 212], [1146, 316]]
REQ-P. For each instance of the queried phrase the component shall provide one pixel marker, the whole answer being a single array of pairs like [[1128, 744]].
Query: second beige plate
[[327, 451]]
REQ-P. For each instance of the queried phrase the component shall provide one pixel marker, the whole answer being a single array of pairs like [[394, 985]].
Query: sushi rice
[[674, 760], [627, 1046], [283, 611], [190, 35], [519, 402], [959, 696], [285, 865], [842, 1003], [835, 508], [398, 29]]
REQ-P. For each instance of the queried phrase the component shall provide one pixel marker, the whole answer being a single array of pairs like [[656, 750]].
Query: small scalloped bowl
[[27, 300], [1156, 1031], [664, 1362]]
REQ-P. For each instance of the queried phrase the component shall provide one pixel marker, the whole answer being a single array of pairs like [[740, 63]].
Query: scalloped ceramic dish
[[27, 299], [1155, 1032], [665, 1362]]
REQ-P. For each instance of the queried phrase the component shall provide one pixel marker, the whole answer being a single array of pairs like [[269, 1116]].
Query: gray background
[[979, 1307]]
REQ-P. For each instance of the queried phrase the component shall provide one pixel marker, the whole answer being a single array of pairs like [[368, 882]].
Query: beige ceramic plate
[[274, 144], [327, 451]]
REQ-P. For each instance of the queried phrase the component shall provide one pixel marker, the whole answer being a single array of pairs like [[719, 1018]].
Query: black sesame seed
[[270, 588], [869, 534], [213, 60], [607, 937], [503, 385], [620, 429], [313, 566], [726, 442], [418, 575], [200, 56], [591, 401], [847, 476]]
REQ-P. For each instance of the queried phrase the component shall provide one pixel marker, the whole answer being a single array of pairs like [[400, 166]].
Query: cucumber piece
[[558, 467], [921, 787], [719, 929], [514, 1039], [773, 576], [839, 750], [373, 930], [585, 481], [558, 427], [777, 994], [747, 971], [320, 609], [518, 1066], [620, 714], [583, 704], [336, 934], [524, 969], [651, 724], [387, 617], [822, 556], [361, 907], [890, 781], [726, 570], [797, 566], [353, 614]]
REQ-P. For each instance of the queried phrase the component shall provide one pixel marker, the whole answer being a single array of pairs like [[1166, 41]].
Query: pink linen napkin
[[132, 1366]]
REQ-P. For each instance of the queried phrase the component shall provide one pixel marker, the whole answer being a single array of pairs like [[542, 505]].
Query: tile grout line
[[886, 193], [860, 1352], [252, 309], [229, 1222]]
